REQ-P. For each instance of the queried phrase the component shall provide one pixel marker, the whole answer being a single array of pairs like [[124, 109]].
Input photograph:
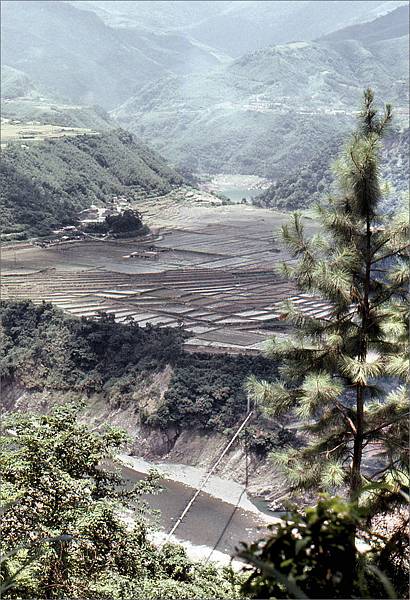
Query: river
[[234, 187], [212, 523]]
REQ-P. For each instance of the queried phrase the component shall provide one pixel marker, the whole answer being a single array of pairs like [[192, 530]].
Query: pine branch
[[371, 432], [400, 250]]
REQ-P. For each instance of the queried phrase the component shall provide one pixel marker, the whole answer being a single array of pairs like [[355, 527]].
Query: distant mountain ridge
[[267, 110], [73, 56], [394, 24], [237, 27]]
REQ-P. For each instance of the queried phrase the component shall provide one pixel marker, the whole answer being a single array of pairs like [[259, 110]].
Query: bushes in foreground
[[63, 529]]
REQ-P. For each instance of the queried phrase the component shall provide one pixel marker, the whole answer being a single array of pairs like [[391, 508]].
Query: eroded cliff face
[[188, 447]]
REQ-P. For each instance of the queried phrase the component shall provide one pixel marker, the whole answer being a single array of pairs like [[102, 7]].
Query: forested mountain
[[289, 98], [45, 184], [309, 183], [71, 55], [239, 27]]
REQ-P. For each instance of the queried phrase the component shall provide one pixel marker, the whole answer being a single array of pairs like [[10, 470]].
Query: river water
[[211, 522], [235, 187]]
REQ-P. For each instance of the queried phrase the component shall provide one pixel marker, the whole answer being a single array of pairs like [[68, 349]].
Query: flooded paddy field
[[211, 269]]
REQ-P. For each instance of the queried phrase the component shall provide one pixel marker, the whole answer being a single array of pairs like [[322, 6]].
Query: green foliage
[[64, 532], [261, 440], [313, 554], [342, 377], [44, 348], [45, 184], [128, 223], [207, 392]]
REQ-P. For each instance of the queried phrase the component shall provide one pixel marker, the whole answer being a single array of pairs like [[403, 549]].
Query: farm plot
[[32, 132], [214, 276], [171, 299]]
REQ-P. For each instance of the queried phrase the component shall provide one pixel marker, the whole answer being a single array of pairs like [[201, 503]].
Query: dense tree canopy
[[73, 527]]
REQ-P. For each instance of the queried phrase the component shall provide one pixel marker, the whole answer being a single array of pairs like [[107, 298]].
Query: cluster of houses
[[89, 216], [97, 214]]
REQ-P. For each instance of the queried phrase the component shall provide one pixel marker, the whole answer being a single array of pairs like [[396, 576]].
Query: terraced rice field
[[215, 277], [27, 133]]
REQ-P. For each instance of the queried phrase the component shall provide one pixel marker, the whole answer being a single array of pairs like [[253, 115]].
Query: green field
[[12, 131]]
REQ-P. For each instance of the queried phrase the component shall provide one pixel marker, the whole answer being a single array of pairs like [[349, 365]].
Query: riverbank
[[223, 489], [221, 517]]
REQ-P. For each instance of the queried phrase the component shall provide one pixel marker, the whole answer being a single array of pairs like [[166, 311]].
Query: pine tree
[[343, 376]]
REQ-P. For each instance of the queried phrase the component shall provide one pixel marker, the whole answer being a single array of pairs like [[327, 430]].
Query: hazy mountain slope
[[255, 25], [76, 57], [313, 180], [45, 184], [47, 111], [22, 100], [156, 15], [263, 112], [237, 27], [15, 83], [394, 24]]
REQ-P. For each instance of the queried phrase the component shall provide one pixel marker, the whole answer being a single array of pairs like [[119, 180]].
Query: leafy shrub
[[313, 554]]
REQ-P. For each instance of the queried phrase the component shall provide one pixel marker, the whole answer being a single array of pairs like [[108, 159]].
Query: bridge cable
[[206, 479], [238, 502]]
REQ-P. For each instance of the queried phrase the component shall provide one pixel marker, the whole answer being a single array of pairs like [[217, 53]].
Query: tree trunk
[[355, 479]]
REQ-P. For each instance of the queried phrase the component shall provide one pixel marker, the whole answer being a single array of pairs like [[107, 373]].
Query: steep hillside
[[268, 110], [239, 27], [45, 184], [74, 56], [312, 181], [45, 349]]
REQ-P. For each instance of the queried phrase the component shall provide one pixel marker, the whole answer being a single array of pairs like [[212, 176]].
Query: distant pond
[[234, 187]]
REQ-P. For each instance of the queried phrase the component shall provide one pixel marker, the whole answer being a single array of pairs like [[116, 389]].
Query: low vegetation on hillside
[[45, 184], [45, 349]]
